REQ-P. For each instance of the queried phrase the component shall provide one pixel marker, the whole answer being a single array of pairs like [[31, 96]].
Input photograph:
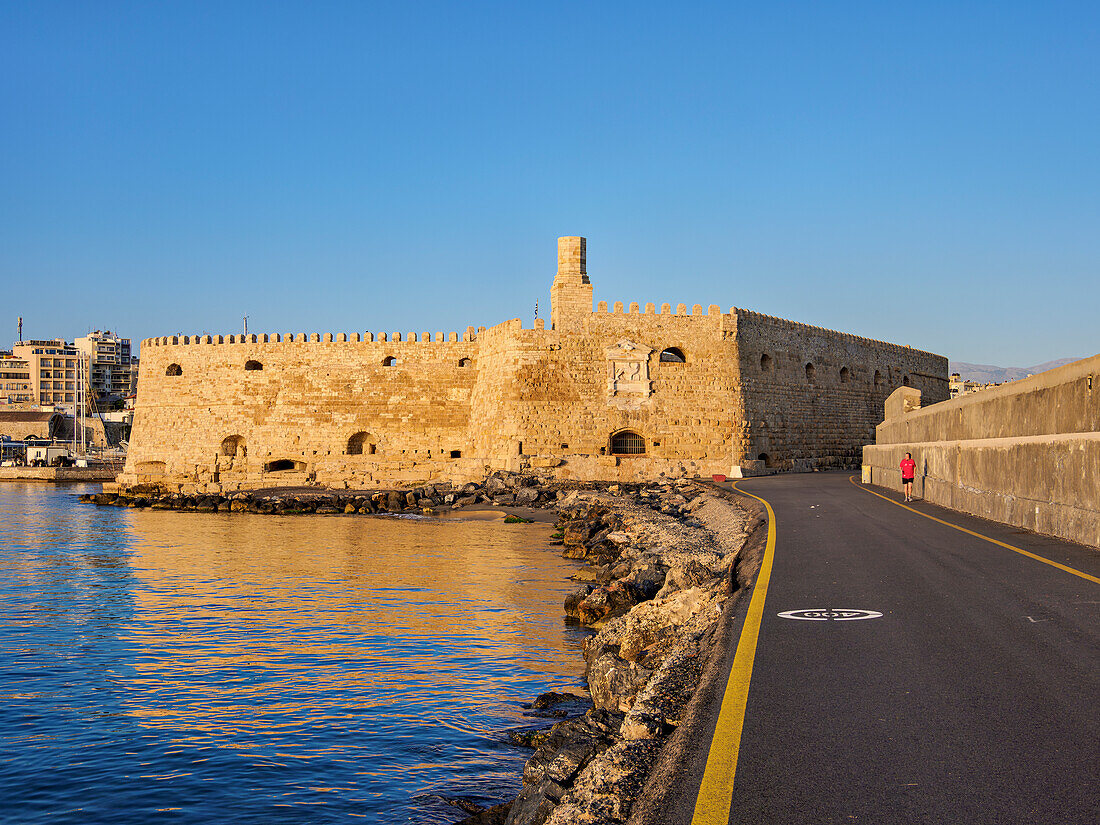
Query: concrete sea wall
[[1026, 453]]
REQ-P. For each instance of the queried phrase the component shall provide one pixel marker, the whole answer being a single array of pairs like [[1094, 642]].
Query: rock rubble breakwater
[[499, 490], [663, 560]]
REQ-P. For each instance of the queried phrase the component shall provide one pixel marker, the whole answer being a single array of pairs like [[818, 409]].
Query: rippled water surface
[[215, 668]]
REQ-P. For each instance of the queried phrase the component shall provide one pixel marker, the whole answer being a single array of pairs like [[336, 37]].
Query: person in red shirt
[[908, 471]]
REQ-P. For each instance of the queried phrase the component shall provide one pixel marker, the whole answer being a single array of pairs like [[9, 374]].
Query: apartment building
[[53, 368], [15, 380], [110, 364]]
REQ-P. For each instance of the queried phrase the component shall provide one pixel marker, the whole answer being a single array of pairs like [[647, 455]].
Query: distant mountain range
[[988, 374]]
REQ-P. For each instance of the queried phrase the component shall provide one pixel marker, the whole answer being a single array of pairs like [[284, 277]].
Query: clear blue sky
[[925, 173]]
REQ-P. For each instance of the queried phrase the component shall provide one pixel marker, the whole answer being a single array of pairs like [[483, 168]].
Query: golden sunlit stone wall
[[813, 396], [245, 411], [328, 409]]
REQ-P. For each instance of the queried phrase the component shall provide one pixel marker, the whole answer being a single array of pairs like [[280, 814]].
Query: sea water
[[235, 668]]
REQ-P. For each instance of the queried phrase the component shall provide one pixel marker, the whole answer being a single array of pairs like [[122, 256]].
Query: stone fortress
[[620, 394]]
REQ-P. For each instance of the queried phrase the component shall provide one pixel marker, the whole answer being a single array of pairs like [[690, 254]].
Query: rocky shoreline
[[662, 560], [500, 490]]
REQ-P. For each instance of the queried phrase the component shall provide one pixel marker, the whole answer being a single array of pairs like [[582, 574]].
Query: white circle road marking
[[829, 614]]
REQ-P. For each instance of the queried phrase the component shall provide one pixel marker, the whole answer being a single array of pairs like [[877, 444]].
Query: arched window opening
[[234, 444], [389, 361], [765, 458], [283, 464], [464, 362], [253, 365], [361, 443], [905, 381], [627, 443], [174, 369], [765, 363], [878, 378], [845, 376], [811, 373], [673, 355]]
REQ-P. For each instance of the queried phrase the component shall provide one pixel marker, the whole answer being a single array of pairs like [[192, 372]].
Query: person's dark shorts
[[907, 481]]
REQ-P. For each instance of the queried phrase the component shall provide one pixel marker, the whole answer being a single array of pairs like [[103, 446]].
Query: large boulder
[[561, 757]]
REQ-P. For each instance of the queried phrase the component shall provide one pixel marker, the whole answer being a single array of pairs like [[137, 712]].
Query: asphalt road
[[974, 698]]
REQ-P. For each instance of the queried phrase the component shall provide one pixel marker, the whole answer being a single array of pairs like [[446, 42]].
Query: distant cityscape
[[54, 390], [53, 372]]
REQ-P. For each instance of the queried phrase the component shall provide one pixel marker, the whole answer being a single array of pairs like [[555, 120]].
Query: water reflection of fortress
[[332, 608], [618, 394]]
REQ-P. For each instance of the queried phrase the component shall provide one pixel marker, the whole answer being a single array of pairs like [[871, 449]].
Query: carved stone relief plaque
[[628, 372]]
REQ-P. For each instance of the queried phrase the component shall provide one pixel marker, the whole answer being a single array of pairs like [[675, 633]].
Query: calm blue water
[[198, 668]]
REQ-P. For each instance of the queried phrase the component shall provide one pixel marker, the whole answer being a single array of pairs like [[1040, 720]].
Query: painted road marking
[[978, 535], [712, 806], [829, 614]]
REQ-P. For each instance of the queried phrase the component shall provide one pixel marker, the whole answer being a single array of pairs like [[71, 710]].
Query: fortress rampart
[[621, 394]]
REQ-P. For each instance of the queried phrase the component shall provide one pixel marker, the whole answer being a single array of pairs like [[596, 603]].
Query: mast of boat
[[79, 408], [76, 411]]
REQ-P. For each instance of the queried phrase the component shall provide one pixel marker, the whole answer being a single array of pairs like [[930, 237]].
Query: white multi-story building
[[110, 367]]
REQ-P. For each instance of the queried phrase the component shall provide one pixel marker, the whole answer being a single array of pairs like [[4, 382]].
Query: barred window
[[627, 443]]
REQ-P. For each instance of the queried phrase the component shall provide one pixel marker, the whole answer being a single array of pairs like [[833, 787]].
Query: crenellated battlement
[[635, 308], [469, 336]]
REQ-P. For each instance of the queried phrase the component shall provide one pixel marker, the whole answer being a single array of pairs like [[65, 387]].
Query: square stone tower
[[571, 294]]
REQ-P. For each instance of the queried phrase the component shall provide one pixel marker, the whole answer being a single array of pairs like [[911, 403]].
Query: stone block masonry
[[625, 394]]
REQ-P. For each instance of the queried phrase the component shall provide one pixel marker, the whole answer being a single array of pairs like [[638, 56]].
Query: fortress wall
[[823, 419], [304, 404], [1030, 459], [545, 393], [544, 398]]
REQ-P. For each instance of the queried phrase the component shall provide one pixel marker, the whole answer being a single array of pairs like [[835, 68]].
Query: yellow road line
[[712, 806], [978, 535]]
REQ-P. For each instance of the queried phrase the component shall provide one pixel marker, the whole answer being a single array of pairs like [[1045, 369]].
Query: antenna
[[246, 325]]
